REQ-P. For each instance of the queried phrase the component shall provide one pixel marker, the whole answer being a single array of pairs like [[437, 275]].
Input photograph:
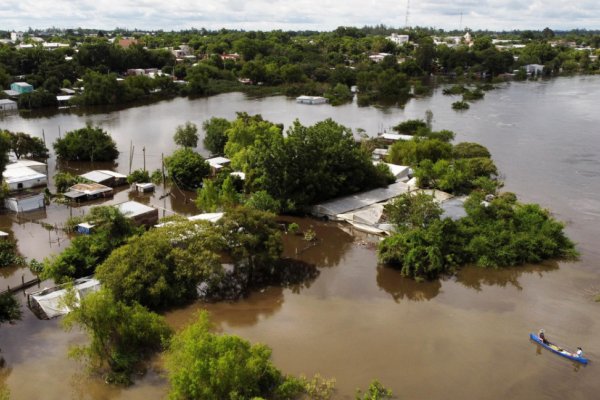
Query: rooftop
[[359, 200], [133, 208], [21, 174]]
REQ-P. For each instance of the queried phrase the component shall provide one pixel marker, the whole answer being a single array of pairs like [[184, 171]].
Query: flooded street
[[459, 337]]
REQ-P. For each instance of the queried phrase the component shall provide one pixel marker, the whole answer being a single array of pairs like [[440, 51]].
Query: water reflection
[[249, 311], [327, 251], [402, 288], [474, 277]]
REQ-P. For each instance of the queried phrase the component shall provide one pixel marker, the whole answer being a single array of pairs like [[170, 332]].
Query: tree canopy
[[186, 135], [204, 365], [86, 144], [187, 168], [120, 335]]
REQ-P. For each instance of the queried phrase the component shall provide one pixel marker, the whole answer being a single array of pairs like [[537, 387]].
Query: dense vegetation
[[86, 144], [111, 229], [197, 356], [187, 168], [496, 233], [121, 335], [26, 146], [288, 172], [313, 63], [10, 309]]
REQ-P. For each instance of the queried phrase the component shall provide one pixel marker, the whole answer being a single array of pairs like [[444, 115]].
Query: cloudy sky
[[298, 14]]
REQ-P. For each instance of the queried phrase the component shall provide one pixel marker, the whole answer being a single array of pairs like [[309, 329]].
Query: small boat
[[558, 350]]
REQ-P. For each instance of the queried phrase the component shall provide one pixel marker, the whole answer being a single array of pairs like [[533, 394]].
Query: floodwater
[[459, 337]]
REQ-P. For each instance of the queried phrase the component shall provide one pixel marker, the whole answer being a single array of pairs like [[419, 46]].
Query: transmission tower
[[407, 13]]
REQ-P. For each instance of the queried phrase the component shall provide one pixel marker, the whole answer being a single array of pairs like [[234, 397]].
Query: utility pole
[[144, 151], [162, 162], [407, 13]]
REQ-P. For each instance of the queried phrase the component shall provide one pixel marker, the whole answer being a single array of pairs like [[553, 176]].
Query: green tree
[[186, 135], [64, 180], [10, 310], [376, 391], [470, 150], [86, 252], [208, 196], [410, 210], [8, 253], [139, 176], [86, 144], [261, 200], [215, 134], [229, 197], [24, 145], [149, 270], [5, 145], [121, 335], [187, 168], [203, 365], [253, 241]]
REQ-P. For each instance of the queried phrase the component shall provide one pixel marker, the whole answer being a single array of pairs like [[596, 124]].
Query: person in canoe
[[542, 337], [579, 352]]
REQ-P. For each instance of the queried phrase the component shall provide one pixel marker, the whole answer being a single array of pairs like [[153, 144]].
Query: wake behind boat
[[558, 350]]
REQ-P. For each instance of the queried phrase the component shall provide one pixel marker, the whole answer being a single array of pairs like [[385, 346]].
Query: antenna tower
[[407, 13]]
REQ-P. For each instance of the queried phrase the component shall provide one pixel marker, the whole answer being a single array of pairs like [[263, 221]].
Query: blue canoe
[[555, 349]]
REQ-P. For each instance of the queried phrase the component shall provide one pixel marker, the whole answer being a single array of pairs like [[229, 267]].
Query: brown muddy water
[[459, 337]]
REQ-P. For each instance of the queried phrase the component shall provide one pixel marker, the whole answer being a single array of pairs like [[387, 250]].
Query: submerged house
[[139, 213], [88, 191], [105, 177], [25, 201], [311, 100], [217, 164], [7, 105], [19, 177], [49, 302]]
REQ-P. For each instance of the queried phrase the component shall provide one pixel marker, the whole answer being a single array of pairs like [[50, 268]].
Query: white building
[[19, 178], [14, 36], [311, 100], [7, 105], [25, 202], [398, 39], [378, 57]]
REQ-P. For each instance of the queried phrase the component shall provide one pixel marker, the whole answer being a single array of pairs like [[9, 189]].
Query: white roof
[[212, 217], [52, 303], [396, 136], [2, 234], [65, 97], [360, 200], [133, 208], [216, 162], [147, 185], [25, 163], [382, 152], [21, 174], [96, 176], [112, 173], [86, 225], [7, 101], [89, 188], [241, 174], [22, 84]]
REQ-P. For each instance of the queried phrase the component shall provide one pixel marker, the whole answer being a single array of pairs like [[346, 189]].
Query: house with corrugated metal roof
[[105, 177]]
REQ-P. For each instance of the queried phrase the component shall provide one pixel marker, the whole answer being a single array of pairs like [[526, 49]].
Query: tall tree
[[186, 135], [121, 335]]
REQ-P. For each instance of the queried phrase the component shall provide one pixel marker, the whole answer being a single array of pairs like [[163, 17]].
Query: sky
[[299, 14]]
